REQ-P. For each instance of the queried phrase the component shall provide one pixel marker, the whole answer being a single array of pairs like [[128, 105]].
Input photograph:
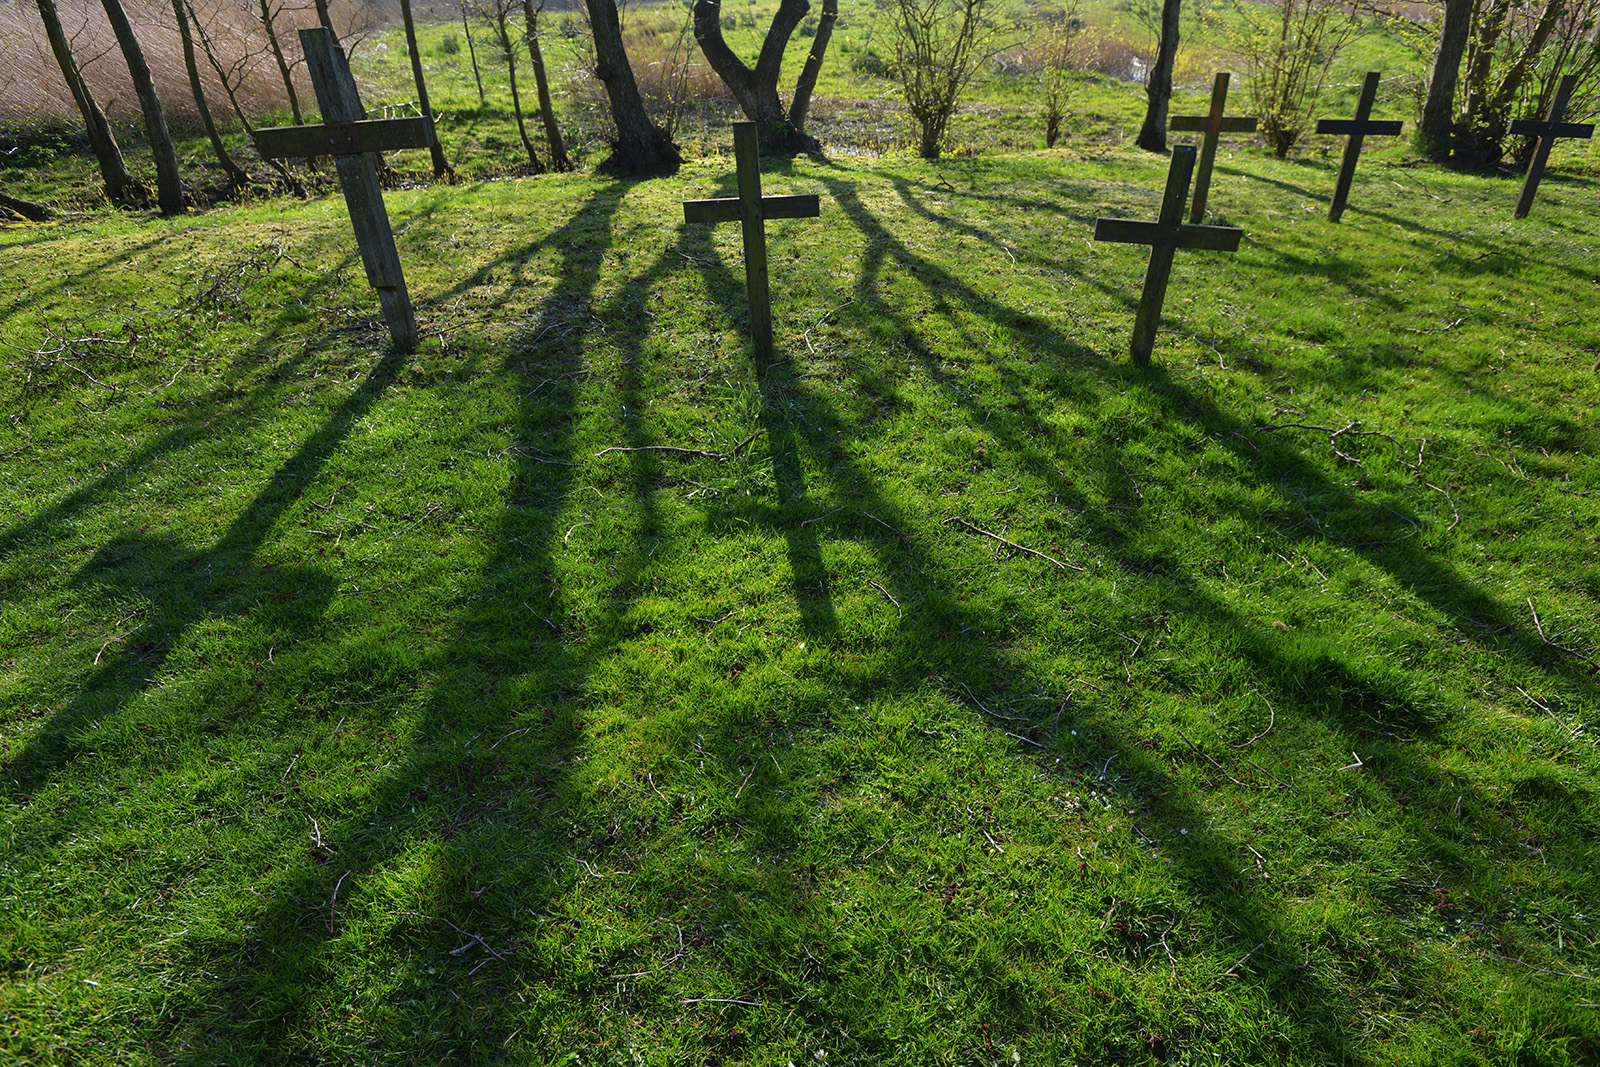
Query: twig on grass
[[1013, 544], [677, 450], [1545, 970], [1552, 644], [1202, 752], [888, 594], [334, 900], [1241, 962], [472, 939], [1572, 731], [1272, 718], [723, 1000], [986, 711]]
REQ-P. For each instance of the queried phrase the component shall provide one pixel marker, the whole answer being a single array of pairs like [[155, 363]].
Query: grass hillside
[[581, 689]]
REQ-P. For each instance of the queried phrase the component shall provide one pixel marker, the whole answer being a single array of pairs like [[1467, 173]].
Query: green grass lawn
[[943, 689]]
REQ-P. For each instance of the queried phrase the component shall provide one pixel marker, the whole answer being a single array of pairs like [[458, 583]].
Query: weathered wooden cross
[[1164, 236], [752, 210], [348, 136], [1357, 128], [1211, 125], [1547, 131]]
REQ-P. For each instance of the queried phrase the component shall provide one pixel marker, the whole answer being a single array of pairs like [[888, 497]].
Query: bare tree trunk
[[441, 167], [236, 174], [169, 184], [283, 64], [1434, 129], [113, 169], [756, 90], [547, 111], [511, 72], [800, 103], [1153, 134], [641, 145], [472, 50]]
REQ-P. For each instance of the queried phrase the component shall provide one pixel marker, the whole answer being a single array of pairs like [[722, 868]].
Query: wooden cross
[[1547, 131], [752, 209], [1211, 125], [348, 136], [1164, 236], [1357, 128]]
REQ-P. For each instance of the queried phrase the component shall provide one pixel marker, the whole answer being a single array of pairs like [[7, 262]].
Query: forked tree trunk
[[800, 103], [236, 174], [547, 111], [441, 166], [640, 145], [1158, 91], [169, 184], [756, 90], [113, 169]]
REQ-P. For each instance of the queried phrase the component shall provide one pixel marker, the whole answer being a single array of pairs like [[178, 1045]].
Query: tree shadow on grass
[[459, 848], [182, 587]]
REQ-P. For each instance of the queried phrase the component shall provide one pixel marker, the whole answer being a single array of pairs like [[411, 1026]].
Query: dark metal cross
[[1547, 131], [348, 136], [752, 210], [1164, 236], [1357, 128], [1211, 125]]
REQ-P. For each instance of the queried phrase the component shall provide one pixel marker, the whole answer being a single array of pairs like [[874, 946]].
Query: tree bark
[[236, 174], [169, 184], [1158, 90], [441, 166], [640, 145], [1434, 129], [547, 111], [800, 103], [113, 169], [756, 90]]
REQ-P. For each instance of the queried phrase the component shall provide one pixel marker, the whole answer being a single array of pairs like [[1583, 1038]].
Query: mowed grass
[[584, 689]]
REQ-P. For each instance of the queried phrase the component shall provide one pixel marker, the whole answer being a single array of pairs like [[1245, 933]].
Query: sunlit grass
[[359, 706]]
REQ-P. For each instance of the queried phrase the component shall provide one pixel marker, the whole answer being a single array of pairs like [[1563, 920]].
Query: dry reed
[[33, 92]]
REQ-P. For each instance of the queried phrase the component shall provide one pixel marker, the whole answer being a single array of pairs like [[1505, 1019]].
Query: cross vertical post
[[1211, 125], [747, 158], [1547, 131], [751, 210], [1357, 128], [1164, 236], [348, 136]]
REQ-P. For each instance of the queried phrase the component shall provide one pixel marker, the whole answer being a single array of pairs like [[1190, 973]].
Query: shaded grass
[[359, 706]]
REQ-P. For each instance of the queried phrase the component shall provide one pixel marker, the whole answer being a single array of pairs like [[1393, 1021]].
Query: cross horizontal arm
[[1202, 123], [343, 138], [727, 209], [1375, 127], [1137, 232], [1541, 128]]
